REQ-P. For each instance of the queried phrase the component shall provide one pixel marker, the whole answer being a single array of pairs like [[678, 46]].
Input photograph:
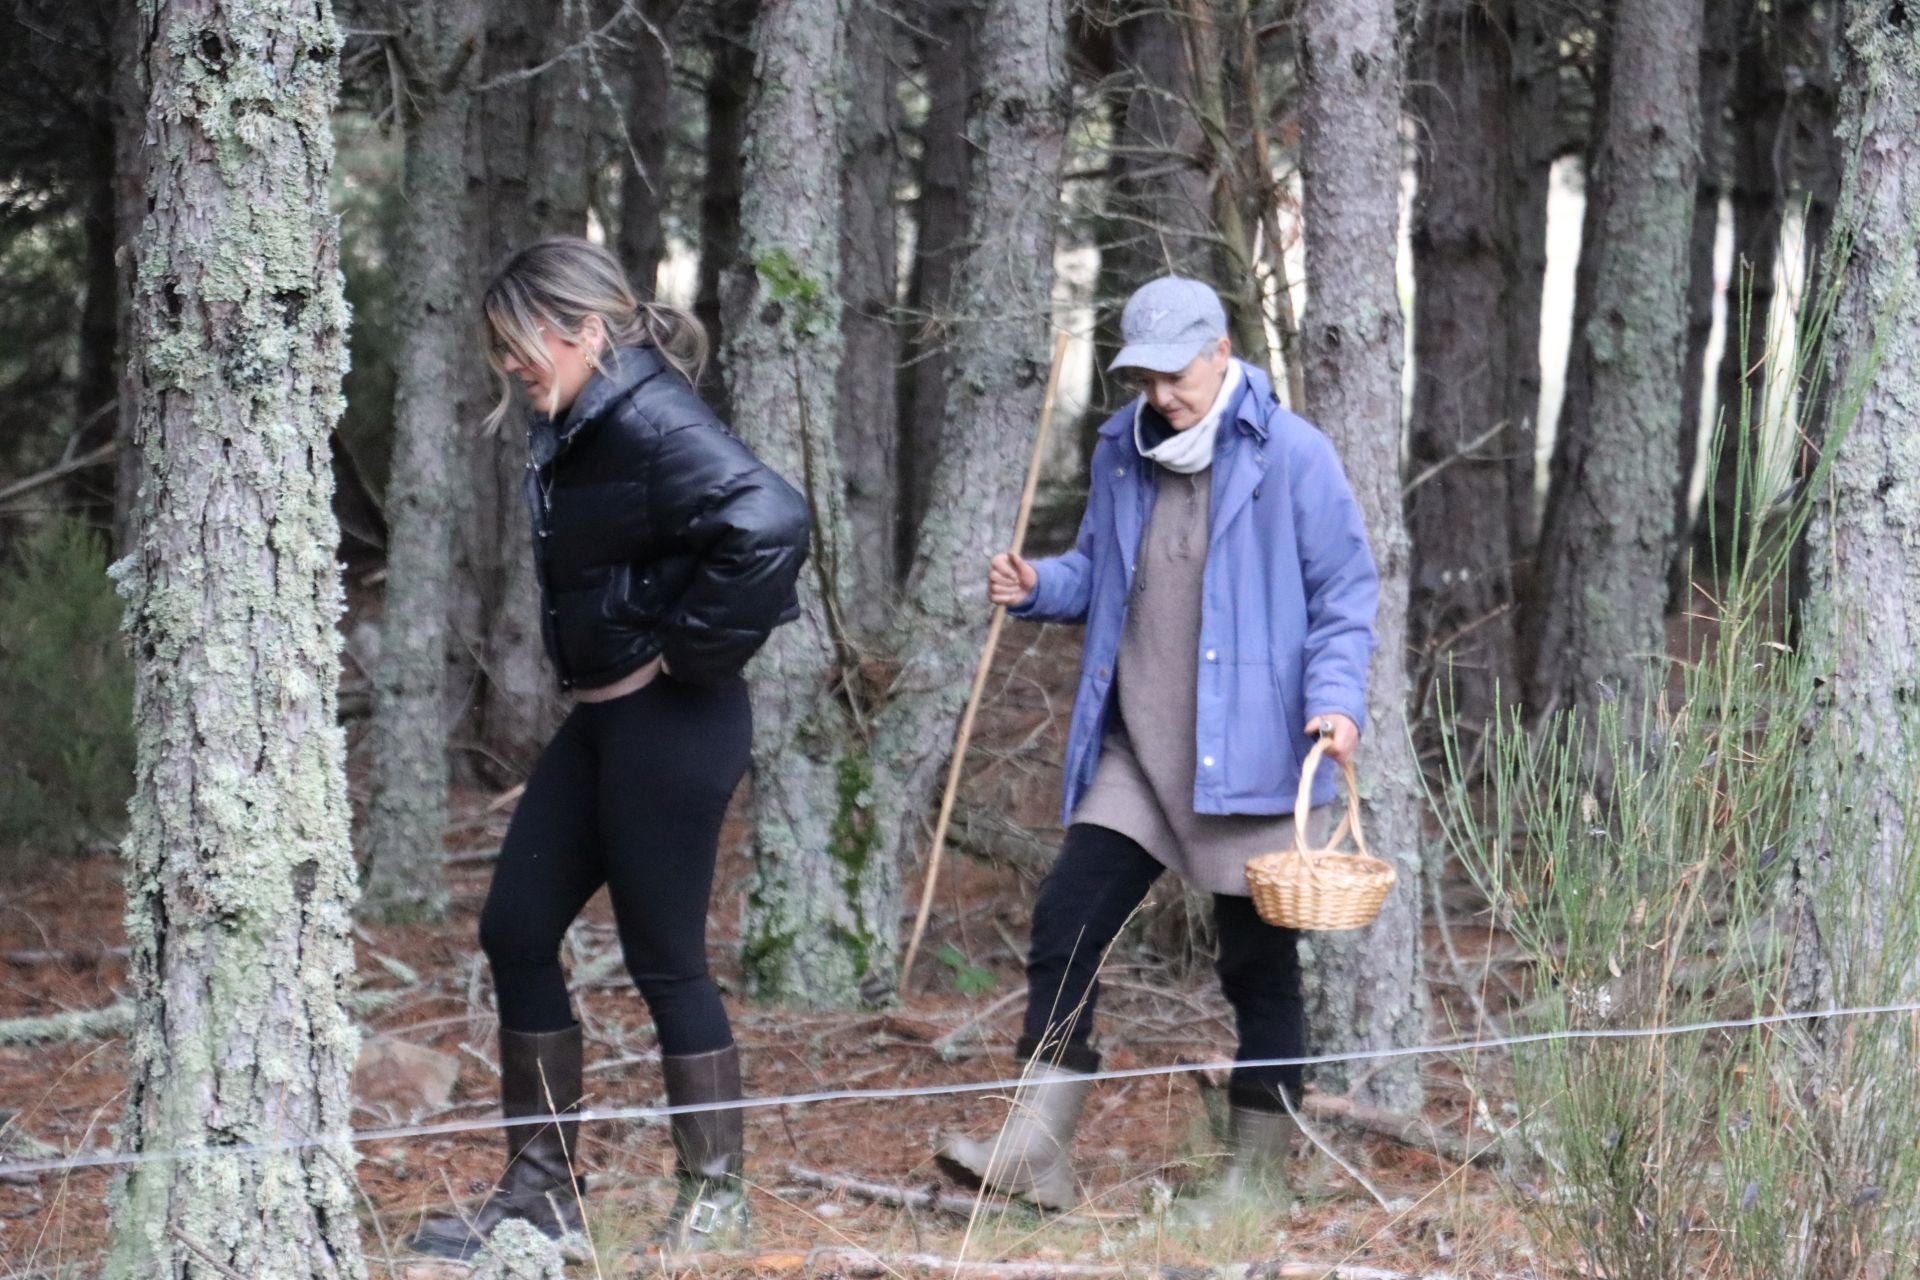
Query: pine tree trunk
[[95, 383], [1220, 45], [407, 813], [728, 89], [520, 708], [820, 906], [100, 314], [1534, 133], [839, 792], [869, 419], [1813, 37], [1159, 197], [1863, 624], [528, 147], [649, 123], [1159, 210], [239, 874], [1818, 164], [1464, 257], [1721, 54], [999, 360], [129, 108], [1759, 198], [1609, 524], [1364, 988], [947, 64]]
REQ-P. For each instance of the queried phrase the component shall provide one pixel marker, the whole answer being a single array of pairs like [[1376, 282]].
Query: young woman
[[1223, 576], [666, 553]]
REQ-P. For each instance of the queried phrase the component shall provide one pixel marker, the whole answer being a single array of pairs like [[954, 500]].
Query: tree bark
[[1364, 988], [999, 360], [1759, 193], [129, 108], [1159, 198], [847, 754], [947, 63], [1159, 206], [527, 146], [728, 90], [649, 130], [1609, 524], [96, 388], [1460, 614], [820, 904], [1722, 55], [239, 874], [1863, 624], [1219, 46], [867, 429], [1820, 165], [1535, 137], [407, 813]]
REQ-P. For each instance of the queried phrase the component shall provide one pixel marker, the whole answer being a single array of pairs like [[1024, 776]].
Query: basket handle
[[1302, 806]]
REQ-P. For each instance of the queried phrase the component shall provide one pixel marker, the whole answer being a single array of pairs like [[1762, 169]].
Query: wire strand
[[901, 1092]]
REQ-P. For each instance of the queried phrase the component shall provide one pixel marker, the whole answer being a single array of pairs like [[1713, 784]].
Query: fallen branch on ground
[[900, 1197], [468, 857], [117, 1020], [947, 1045], [76, 1024], [85, 956], [1409, 1131], [995, 837]]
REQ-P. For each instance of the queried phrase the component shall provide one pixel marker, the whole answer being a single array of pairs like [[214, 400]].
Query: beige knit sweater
[[1143, 785]]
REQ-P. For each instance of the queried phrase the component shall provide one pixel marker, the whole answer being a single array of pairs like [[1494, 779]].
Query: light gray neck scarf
[[1189, 451]]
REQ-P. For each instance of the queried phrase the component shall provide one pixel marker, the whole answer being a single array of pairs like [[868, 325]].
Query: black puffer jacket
[[655, 531]]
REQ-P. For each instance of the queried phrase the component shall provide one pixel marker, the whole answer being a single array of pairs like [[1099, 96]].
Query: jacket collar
[[624, 370], [1249, 410]]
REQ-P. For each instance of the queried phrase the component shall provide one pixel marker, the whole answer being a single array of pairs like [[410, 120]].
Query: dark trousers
[[1100, 877], [630, 794]]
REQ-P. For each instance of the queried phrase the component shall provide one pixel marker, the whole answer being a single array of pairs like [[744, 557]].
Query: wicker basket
[[1302, 888]]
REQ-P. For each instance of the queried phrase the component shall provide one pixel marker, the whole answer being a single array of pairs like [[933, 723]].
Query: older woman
[[1223, 577]]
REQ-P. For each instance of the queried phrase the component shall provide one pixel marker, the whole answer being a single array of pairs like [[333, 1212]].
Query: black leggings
[[630, 794], [1100, 877]]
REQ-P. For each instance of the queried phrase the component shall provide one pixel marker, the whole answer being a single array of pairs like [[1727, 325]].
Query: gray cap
[[1168, 323]]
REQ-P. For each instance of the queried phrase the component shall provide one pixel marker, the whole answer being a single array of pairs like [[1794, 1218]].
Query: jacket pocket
[[1259, 761]]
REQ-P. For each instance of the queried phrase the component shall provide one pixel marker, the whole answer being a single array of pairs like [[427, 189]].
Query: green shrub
[[66, 699], [1711, 856]]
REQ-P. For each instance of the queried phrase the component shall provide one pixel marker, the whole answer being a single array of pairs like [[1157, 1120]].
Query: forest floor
[[62, 949]]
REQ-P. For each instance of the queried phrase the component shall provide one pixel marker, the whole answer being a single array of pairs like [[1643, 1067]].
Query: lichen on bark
[[1862, 629], [1363, 987], [239, 877]]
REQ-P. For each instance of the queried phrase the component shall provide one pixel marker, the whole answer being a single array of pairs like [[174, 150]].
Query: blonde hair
[[557, 284]]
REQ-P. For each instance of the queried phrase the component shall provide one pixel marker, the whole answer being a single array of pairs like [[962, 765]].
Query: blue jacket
[[1287, 608]]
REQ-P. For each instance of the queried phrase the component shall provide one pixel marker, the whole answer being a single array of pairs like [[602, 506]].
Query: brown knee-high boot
[[710, 1209], [539, 1075]]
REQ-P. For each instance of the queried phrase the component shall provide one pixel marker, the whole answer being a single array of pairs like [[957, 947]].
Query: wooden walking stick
[[965, 735]]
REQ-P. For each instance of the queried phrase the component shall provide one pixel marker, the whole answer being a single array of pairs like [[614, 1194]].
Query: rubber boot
[[1254, 1183], [1031, 1157], [539, 1076], [710, 1204]]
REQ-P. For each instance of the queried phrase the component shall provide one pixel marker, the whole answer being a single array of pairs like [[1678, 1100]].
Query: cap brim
[[1163, 357]]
